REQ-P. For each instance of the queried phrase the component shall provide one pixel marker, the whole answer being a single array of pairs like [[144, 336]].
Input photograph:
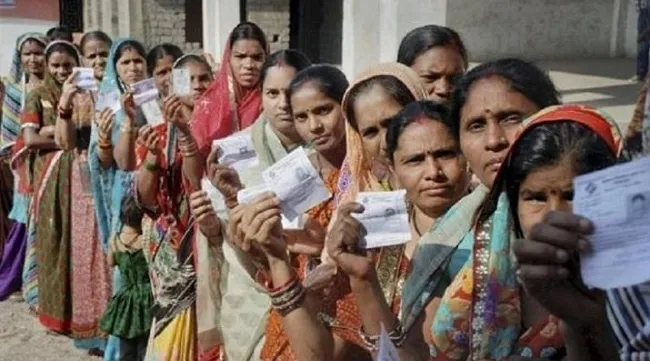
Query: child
[[128, 315]]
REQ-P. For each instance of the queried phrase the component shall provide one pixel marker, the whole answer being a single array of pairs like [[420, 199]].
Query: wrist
[[363, 284]]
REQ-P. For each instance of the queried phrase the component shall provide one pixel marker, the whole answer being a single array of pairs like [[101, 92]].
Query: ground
[[601, 83]]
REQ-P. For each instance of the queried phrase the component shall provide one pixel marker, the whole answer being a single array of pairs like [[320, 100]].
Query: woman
[[168, 228], [486, 314], [244, 304], [437, 55], [90, 281], [233, 101], [51, 178], [26, 73], [160, 60], [125, 66]]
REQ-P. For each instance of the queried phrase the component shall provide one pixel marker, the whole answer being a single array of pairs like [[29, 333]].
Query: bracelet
[[290, 299], [274, 291], [127, 129], [151, 167], [397, 336], [104, 146], [65, 114]]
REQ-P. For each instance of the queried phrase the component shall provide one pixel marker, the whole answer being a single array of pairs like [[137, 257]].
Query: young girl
[[128, 315]]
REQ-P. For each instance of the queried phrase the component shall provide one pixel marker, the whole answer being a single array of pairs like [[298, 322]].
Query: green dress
[[128, 314]]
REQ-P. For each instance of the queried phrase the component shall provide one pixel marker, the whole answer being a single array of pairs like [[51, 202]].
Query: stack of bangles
[[188, 146], [65, 114], [288, 297], [397, 337]]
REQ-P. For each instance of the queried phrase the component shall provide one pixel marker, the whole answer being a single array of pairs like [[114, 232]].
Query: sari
[[224, 108], [51, 208], [15, 203], [108, 185], [479, 317]]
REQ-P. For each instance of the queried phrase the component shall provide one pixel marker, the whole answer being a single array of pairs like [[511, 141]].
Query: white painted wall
[[630, 42], [10, 30]]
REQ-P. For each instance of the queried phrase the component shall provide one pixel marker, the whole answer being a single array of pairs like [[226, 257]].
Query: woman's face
[[318, 118], [246, 59], [162, 74], [200, 79], [372, 112], [489, 122], [131, 66], [439, 68], [544, 190], [60, 65], [275, 99], [32, 57], [430, 167], [95, 53]]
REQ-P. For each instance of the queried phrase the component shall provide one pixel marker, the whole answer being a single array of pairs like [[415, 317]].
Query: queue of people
[[129, 237]]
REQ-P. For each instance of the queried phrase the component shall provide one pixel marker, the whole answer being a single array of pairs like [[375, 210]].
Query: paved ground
[[601, 83]]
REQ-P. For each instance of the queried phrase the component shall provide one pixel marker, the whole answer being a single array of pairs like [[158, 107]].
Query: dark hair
[[289, 57], [390, 84], [638, 197], [422, 109], [160, 51], [546, 145], [130, 212], [127, 45], [191, 58], [61, 32], [67, 48], [424, 38], [248, 31], [95, 35], [329, 79], [523, 77]]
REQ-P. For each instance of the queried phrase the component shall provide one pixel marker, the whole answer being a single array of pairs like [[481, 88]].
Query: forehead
[[308, 96], [492, 95], [165, 61], [439, 58], [196, 67], [373, 106], [60, 56], [95, 44], [279, 76], [555, 176], [247, 46], [425, 134], [129, 53], [31, 45]]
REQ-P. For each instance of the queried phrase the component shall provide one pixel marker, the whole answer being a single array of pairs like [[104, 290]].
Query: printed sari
[[15, 247], [479, 317], [51, 208]]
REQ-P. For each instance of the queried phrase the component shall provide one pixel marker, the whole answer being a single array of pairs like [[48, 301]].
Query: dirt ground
[[23, 338]]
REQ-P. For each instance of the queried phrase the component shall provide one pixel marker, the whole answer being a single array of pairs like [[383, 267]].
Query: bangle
[[274, 291], [397, 337], [104, 146], [151, 167], [289, 298], [127, 129], [65, 114]]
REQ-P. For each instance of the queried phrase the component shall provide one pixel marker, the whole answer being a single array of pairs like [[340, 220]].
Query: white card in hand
[[144, 91], [384, 218], [152, 113], [617, 201], [181, 83], [246, 195], [237, 151], [298, 185], [85, 78], [387, 350], [110, 100]]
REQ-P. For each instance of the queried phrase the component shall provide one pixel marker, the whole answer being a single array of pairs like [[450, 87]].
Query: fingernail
[[585, 226], [583, 245], [562, 272], [561, 256]]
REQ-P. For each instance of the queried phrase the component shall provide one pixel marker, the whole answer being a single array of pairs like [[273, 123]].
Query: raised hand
[[548, 268], [148, 137], [261, 225], [177, 113], [205, 215], [128, 104], [342, 243], [223, 177], [69, 89], [105, 125]]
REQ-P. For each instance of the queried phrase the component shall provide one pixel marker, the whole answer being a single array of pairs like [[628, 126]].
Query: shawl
[[356, 174], [479, 316], [224, 108], [14, 91], [109, 185]]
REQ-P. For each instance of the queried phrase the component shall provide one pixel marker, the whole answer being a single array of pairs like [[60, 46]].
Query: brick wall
[[164, 22], [273, 17]]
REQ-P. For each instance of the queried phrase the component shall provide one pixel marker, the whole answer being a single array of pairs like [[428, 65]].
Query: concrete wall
[[543, 29], [273, 17], [164, 22]]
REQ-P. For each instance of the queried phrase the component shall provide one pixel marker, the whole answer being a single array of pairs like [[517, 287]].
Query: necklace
[[415, 222]]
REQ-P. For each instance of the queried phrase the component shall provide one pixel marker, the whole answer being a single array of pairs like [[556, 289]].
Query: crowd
[[129, 238]]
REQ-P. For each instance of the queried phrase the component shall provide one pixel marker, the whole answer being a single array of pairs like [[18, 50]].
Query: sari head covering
[[225, 107], [14, 90], [479, 317], [356, 173]]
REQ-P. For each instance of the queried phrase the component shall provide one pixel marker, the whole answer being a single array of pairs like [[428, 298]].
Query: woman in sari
[[27, 71], [438, 56], [125, 66], [160, 62], [168, 227], [535, 307], [51, 167], [244, 305], [90, 277]]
